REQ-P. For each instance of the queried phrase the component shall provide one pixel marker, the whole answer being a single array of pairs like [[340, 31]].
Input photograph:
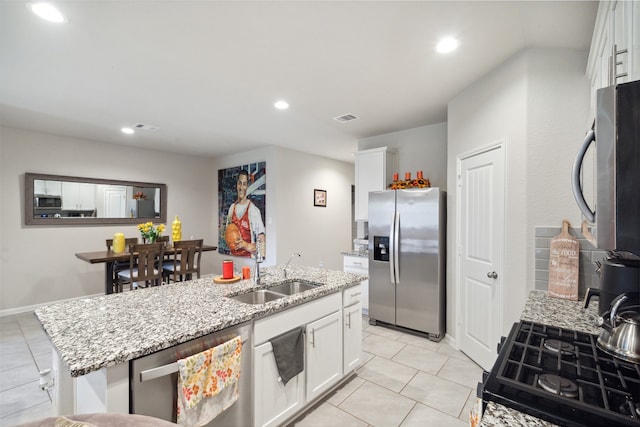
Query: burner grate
[[607, 389]]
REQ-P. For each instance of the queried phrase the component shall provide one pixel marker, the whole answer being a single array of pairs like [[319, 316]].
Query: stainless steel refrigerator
[[407, 233]]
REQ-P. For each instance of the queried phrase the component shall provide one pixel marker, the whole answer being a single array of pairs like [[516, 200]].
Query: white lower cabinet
[[359, 265], [274, 402], [352, 337], [323, 354]]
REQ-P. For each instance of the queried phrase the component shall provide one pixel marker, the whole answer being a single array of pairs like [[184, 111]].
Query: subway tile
[[542, 242], [547, 231], [542, 253], [542, 264], [541, 285], [542, 275]]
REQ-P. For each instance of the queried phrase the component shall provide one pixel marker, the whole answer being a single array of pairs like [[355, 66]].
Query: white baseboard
[[28, 308]]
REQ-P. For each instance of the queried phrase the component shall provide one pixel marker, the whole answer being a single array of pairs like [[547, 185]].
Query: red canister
[[227, 269]]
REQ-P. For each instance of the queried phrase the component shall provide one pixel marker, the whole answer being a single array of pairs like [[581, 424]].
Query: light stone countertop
[[94, 333], [541, 308], [361, 254]]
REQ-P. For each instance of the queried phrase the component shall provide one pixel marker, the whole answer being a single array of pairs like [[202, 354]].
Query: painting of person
[[244, 230]]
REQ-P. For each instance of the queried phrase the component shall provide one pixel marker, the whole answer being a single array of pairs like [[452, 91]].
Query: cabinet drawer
[[284, 321], [356, 264], [352, 295]]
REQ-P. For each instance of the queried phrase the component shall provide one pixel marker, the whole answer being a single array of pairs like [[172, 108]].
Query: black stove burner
[[557, 385], [557, 346], [561, 376]]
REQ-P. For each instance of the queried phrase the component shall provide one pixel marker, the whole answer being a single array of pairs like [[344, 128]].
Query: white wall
[[422, 148], [293, 223], [537, 104], [38, 263]]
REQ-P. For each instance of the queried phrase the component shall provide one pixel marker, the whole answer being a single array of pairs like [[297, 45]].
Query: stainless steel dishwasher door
[[153, 379]]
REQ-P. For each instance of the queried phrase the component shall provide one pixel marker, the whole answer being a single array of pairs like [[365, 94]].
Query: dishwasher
[[153, 379]]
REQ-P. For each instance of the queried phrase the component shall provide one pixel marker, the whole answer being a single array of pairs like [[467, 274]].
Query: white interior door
[[481, 205], [115, 202]]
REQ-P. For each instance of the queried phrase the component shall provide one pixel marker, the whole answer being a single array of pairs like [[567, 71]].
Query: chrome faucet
[[258, 258], [287, 265]]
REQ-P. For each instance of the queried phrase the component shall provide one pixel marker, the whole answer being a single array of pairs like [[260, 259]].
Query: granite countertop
[[362, 254], [541, 308], [94, 333]]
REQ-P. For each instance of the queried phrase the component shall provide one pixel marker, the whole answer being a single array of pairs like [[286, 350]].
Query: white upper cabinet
[[615, 47], [50, 188], [374, 170]]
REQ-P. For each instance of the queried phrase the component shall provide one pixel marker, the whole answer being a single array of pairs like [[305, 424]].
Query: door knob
[[492, 275]]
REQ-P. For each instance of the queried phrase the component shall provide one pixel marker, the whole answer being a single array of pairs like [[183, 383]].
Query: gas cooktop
[[561, 376]]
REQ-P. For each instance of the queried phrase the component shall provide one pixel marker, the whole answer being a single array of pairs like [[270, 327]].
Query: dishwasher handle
[[161, 371]]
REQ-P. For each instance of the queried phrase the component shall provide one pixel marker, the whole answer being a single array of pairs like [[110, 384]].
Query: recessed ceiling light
[[281, 105], [128, 131], [47, 11], [447, 44]]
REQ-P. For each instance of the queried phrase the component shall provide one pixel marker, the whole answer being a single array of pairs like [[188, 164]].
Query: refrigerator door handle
[[396, 249], [391, 252]]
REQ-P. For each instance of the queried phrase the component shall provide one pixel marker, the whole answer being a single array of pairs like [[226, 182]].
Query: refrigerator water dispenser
[[381, 248]]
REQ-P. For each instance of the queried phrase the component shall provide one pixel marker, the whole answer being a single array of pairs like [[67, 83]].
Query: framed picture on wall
[[320, 198], [242, 194]]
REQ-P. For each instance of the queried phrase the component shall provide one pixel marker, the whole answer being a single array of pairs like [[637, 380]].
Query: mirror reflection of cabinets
[[64, 200]]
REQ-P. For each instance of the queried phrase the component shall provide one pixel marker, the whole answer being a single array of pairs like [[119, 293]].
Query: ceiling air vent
[[345, 118], [149, 128]]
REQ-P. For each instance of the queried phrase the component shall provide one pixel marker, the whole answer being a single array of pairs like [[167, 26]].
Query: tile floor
[[404, 381]]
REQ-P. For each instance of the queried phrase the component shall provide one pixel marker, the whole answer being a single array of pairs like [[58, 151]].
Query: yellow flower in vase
[[149, 232]]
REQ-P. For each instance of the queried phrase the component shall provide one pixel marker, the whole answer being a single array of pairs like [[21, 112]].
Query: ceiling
[[207, 73]]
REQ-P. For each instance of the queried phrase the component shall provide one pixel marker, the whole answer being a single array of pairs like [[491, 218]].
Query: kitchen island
[[541, 308], [101, 334]]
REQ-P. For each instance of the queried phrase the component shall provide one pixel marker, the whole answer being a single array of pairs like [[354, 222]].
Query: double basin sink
[[262, 296]]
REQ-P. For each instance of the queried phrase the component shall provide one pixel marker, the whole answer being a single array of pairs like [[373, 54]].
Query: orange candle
[[420, 175], [246, 272], [395, 177], [407, 176]]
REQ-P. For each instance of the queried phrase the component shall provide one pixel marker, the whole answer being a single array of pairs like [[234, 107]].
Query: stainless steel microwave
[[616, 214], [46, 201]]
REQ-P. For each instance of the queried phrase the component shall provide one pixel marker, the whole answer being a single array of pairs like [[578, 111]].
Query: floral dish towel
[[208, 383]]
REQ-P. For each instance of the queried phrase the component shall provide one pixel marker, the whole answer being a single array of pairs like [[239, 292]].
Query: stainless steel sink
[[293, 287], [261, 296]]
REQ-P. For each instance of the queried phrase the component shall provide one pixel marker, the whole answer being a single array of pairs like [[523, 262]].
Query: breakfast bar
[[98, 340]]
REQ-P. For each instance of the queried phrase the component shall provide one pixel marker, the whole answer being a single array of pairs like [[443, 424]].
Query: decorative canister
[[227, 269], [176, 230], [118, 243]]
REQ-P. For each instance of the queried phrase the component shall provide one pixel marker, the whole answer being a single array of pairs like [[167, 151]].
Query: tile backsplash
[[587, 277]]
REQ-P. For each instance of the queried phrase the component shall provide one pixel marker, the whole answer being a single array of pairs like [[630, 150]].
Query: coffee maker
[[618, 273]]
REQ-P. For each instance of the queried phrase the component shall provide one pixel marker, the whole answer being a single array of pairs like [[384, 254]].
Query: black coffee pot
[[618, 275]]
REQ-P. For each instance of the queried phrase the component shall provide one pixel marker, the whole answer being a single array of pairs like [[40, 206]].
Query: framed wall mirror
[[70, 200]]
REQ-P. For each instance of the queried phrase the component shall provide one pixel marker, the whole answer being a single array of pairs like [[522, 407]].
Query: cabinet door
[[324, 354], [273, 401], [70, 195], [369, 177], [352, 335], [87, 196]]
